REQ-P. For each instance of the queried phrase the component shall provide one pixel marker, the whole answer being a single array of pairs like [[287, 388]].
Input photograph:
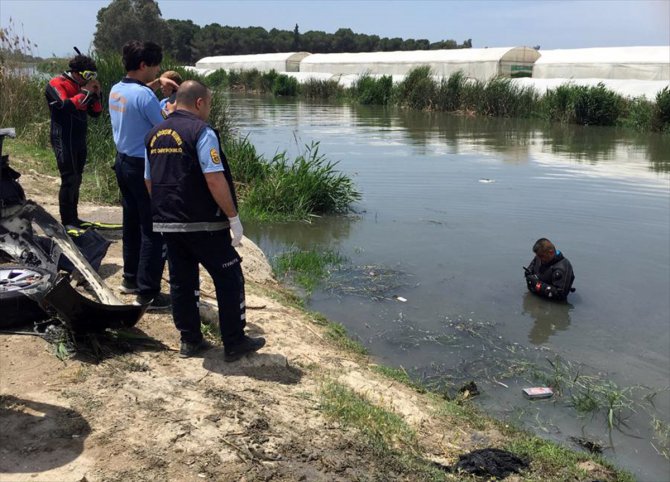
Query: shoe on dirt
[[158, 302], [129, 287], [245, 346], [188, 350]]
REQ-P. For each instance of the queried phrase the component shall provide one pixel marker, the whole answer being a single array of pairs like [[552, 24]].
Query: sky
[[57, 25]]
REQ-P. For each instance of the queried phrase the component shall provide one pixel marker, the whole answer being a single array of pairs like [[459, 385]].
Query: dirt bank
[[148, 415]]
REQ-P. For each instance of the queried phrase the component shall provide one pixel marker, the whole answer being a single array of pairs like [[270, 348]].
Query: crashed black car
[[37, 260]]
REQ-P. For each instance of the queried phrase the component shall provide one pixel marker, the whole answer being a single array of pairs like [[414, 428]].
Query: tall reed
[[497, 97]]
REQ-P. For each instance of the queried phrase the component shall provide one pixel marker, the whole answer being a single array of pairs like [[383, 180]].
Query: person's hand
[[165, 82], [532, 280], [93, 86], [236, 231]]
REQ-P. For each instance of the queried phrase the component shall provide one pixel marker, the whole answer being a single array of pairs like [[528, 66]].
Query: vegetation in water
[[279, 189]]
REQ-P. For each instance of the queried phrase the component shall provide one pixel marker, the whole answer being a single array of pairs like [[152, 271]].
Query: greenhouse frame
[[480, 64], [282, 62]]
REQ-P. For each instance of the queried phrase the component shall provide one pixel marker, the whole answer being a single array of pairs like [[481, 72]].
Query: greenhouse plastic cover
[[624, 87], [475, 63], [261, 62], [642, 63]]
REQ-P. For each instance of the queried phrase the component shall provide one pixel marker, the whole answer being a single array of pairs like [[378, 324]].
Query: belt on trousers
[[190, 227]]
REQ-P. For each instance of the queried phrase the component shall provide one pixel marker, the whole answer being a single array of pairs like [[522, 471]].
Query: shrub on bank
[[449, 94], [300, 188], [368, 90], [285, 86], [499, 97], [597, 106], [321, 89], [661, 117], [418, 89]]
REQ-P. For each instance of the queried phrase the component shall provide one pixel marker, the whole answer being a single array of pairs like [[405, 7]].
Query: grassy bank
[[498, 97], [399, 445], [280, 188]]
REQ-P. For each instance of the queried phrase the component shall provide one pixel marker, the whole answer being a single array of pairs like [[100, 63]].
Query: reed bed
[[279, 189], [497, 97]]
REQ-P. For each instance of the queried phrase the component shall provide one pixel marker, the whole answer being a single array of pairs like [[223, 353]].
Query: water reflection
[[519, 139], [548, 317], [325, 232]]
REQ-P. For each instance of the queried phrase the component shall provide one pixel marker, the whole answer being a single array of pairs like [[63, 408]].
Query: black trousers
[[70, 158], [143, 249], [214, 252]]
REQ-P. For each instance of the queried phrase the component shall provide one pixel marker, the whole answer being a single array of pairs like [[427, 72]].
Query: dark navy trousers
[[143, 249], [186, 251]]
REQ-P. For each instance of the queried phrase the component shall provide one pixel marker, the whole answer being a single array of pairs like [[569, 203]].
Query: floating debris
[[538, 392]]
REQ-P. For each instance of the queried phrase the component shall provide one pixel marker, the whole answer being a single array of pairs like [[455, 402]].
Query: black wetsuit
[[70, 106], [552, 280]]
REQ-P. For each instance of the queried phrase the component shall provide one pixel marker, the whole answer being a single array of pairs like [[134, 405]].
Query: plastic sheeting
[[481, 64], [642, 63], [282, 62], [624, 87]]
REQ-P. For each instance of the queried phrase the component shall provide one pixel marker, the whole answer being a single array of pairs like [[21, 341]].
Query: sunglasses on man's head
[[89, 74]]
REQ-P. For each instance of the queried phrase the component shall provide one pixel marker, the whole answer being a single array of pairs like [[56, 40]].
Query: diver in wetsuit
[[549, 274], [72, 97]]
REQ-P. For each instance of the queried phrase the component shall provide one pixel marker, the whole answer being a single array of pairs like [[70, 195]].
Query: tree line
[[188, 42]]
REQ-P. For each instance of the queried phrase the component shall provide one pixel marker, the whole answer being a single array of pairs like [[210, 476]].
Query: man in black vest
[[549, 274], [194, 206]]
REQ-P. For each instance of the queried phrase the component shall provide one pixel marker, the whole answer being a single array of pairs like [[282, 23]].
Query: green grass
[[297, 189], [307, 268], [398, 375], [338, 334], [385, 434], [372, 91], [561, 463], [321, 89]]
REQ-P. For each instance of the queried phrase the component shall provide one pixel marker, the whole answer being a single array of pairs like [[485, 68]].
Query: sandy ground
[[148, 415]]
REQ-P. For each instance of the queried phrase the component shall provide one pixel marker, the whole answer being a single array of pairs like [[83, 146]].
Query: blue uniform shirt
[[208, 154], [134, 110]]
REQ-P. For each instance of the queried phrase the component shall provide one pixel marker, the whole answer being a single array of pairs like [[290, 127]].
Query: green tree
[[124, 20], [180, 34], [296, 39]]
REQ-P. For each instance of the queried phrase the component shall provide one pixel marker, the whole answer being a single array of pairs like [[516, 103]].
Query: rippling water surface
[[450, 209]]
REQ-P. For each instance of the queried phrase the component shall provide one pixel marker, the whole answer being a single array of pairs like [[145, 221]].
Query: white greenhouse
[[282, 62], [641, 63], [625, 87], [480, 64]]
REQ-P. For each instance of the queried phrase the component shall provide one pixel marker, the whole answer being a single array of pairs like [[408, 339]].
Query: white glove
[[236, 231]]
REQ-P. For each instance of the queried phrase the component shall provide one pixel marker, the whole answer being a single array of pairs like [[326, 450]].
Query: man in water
[[549, 274]]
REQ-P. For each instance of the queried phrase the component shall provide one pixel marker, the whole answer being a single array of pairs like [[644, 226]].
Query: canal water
[[450, 209]]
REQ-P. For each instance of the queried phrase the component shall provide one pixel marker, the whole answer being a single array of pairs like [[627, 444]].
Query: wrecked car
[[34, 249]]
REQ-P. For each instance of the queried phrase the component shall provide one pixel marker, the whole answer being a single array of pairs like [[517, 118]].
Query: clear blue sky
[[57, 25]]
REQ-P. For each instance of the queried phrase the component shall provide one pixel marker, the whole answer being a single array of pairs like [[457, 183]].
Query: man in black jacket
[[549, 274], [194, 205], [72, 97]]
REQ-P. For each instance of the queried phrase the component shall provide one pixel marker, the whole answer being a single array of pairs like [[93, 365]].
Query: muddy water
[[450, 209]]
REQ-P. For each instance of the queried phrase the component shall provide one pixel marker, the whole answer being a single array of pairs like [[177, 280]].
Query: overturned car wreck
[[32, 284]]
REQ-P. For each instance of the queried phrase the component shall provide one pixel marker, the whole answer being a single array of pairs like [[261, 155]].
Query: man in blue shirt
[[195, 207], [134, 109]]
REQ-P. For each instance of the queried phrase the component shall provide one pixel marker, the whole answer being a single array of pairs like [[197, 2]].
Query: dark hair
[[79, 63], [543, 245], [136, 52], [190, 91]]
